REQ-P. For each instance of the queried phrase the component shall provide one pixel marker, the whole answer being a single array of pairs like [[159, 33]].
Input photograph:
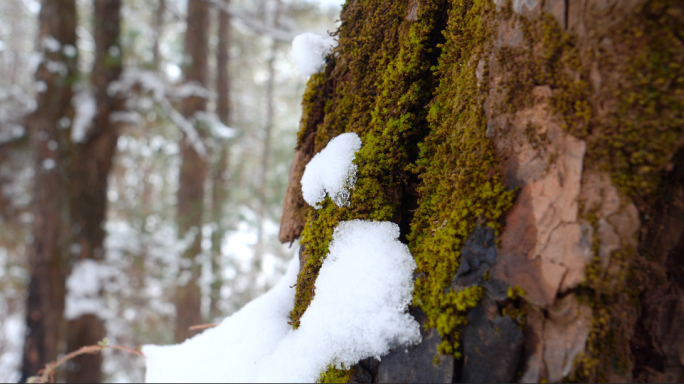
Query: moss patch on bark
[[458, 167]]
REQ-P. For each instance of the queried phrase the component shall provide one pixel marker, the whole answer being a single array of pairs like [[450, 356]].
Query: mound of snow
[[332, 171], [309, 51], [359, 311]]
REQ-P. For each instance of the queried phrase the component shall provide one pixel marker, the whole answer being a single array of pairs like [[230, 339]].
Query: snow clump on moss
[[332, 171], [309, 51]]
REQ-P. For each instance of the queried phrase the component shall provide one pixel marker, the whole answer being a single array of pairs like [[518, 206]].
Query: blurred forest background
[[144, 155]]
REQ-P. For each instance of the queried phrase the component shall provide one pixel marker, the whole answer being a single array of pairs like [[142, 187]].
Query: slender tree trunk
[[220, 177], [158, 24], [266, 149], [48, 256], [193, 174], [91, 164]]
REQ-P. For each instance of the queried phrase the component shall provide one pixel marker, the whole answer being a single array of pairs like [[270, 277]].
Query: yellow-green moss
[[458, 167], [642, 134], [613, 294], [642, 64], [335, 375], [385, 82], [314, 88]]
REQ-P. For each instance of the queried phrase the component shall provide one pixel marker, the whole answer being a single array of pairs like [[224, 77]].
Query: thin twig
[[203, 326], [47, 375]]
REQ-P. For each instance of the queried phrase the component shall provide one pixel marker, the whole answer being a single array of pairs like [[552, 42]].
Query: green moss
[[641, 64], [614, 299], [335, 375], [640, 137], [458, 167], [383, 83], [314, 89]]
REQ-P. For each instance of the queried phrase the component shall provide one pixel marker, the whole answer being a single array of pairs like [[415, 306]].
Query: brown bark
[[192, 174], [158, 23], [48, 254], [220, 177], [266, 150], [90, 167]]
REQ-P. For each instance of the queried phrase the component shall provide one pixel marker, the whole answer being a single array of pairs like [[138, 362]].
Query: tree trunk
[[91, 163], [192, 174], [266, 149], [221, 182], [48, 127], [158, 25], [531, 153]]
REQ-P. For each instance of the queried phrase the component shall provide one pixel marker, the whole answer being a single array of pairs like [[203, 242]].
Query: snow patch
[[86, 108], [51, 44], [216, 127], [332, 171], [360, 311], [87, 280], [309, 51]]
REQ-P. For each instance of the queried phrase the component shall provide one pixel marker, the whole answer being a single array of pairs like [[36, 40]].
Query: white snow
[[86, 108], [309, 51], [359, 311], [12, 332], [51, 44], [216, 127], [332, 171], [84, 285]]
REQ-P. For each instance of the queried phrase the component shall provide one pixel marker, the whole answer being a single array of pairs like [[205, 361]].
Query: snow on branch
[[360, 310], [255, 25], [149, 82]]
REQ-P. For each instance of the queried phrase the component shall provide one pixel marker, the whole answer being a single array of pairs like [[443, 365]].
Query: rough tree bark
[[91, 162], [531, 153], [220, 178], [48, 127], [193, 174]]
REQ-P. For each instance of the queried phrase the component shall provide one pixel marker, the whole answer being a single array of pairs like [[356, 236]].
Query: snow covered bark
[[529, 151], [91, 162], [193, 173], [49, 130]]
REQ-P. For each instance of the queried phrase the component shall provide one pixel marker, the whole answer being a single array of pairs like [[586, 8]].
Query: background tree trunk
[[90, 167], [48, 127], [530, 152], [221, 181], [193, 174], [273, 18]]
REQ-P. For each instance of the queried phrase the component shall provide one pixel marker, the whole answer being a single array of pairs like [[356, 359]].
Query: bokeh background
[[142, 246]]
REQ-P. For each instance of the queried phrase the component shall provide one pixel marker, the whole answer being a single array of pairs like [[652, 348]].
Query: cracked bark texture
[[571, 217]]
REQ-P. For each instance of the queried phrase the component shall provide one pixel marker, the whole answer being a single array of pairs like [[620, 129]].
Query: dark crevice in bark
[[659, 331]]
